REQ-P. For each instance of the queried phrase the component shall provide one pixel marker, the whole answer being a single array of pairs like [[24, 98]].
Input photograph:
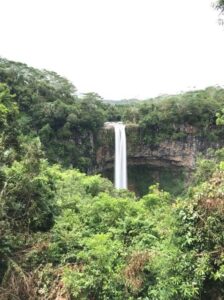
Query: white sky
[[117, 48]]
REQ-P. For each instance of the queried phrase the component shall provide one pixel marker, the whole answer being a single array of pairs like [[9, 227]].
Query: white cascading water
[[120, 156]]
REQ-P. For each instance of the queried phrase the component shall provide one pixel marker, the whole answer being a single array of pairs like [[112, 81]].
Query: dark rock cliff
[[169, 152]]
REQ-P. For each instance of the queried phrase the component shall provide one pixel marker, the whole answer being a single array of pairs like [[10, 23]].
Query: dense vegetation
[[178, 115], [50, 109], [68, 125], [66, 235]]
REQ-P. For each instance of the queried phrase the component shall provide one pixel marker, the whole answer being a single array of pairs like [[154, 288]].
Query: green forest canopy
[[68, 125], [67, 235]]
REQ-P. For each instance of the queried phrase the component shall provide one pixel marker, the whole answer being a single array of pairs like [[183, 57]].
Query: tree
[[220, 118], [220, 5], [9, 129]]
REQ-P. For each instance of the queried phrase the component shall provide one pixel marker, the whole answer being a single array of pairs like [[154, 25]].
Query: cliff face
[[167, 153]]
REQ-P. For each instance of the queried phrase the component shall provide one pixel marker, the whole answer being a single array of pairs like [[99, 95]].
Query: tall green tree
[[9, 129]]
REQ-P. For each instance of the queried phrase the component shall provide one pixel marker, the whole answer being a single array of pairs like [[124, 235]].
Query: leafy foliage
[[66, 235], [178, 116], [9, 129], [50, 109]]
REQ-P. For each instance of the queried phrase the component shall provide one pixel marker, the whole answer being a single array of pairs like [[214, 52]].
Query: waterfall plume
[[120, 173]]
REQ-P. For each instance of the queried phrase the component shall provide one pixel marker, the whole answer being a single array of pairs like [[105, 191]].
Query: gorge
[[67, 233], [169, 162]]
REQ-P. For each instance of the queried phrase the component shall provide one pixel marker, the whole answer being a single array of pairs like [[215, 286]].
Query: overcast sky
[[118, 48]]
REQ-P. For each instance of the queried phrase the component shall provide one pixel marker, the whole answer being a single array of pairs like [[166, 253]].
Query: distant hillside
[[122, 102]]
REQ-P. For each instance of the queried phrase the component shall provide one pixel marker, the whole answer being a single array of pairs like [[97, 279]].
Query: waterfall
[[120, 173]]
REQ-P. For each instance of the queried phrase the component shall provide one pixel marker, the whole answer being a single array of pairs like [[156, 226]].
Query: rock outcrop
[[167, 153]]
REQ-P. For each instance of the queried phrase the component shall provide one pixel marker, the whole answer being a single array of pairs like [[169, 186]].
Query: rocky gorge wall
[[169, 162], [169, 152]]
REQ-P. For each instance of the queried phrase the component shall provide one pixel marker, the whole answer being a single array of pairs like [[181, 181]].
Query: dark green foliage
[[172, 180], [95, 237], [178, 116], [9, 129], [66, 235], [28, 192], [50, 109], [26, 198], [201, 222], [68, 125], [99, 246]]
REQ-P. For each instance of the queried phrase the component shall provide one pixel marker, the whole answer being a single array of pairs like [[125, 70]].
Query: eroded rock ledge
[[168, 153]]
